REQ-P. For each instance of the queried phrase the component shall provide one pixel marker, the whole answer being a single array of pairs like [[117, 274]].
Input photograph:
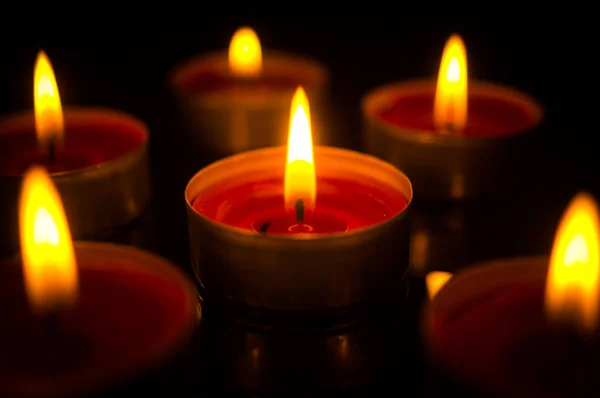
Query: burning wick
[[265, 227], [51, 151], [52, 323], [299, 206]]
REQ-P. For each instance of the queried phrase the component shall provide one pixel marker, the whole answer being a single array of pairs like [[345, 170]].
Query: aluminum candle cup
[[225, 114], [301, 272], [398, 127], [101, 174], [486, 333]]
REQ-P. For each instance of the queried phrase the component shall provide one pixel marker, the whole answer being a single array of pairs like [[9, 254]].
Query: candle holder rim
[[268, 55], [479, 268], [321, 237], [85, 110], [533, 105]]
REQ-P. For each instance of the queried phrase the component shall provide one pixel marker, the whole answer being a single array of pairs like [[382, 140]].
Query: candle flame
[[435, 280], [49, 265], [450, 108], [49, 122], [300, 177], [245, 54], [573, 284]]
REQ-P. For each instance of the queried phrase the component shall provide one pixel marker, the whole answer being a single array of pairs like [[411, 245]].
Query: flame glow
[[47, 251], [450, 108], [573, 284], [49, 122], [435, 280], [245, 53], [300, 177]]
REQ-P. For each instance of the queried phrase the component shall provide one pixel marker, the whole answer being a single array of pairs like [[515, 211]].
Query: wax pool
[[91, 139], [500, 341], [342, 205], [492, 111], [126, 319]]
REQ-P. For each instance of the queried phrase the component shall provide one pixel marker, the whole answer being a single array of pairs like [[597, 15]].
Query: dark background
[[104, 57]]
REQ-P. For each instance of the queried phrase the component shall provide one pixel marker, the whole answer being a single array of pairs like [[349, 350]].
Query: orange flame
[[573, 284], [245, 53], [435, 280], [49, 263], [300, 177], [450, 109], [49, 122]]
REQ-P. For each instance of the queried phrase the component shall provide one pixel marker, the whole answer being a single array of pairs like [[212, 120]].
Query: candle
[[455, 138], [96, 157], [239, 100], [324, 232], [91, 316], [525, 326]]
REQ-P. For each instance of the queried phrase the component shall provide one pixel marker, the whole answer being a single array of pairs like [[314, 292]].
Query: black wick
[[449, 128], [265, 227], [299, 206], [51, 151]]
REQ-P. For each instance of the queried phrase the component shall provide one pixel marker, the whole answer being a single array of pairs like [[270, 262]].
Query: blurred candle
[[457, 138], [525, 326], [239, 100], [96, 157], [91, 317]]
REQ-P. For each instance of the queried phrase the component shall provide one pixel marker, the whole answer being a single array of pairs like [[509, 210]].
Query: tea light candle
[[239, 100], [456, 139], [91, 317], [96, 157], [524, 326], [325, 232]]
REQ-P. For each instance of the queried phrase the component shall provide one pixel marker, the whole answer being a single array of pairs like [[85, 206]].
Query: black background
[[121, 59]]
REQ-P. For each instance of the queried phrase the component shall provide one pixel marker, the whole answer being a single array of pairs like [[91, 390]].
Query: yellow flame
[[435, 280], [450, 108], [300, 177], [49, 122], [245, 54], [49, 263], [573, 284]]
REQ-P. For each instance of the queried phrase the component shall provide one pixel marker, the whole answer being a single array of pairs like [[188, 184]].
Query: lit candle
[[327, 230], [96, 157], [525, 326], [91, 316], [238, 100], [456, 138]]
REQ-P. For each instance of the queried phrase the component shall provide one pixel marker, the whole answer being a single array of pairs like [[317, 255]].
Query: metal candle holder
[[226, 122], [299, 273], [98, 199]]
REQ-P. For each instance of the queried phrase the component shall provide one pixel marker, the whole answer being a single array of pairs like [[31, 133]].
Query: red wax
[[206, 81], [342, 205], [92, 137], [501, 341], [125, 319], [491, 112]]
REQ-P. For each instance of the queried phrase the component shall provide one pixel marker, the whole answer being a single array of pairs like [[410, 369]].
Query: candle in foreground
[[525, 326], [90, 316], [299, 228], [96, 157], [239, 100], [458, 138]]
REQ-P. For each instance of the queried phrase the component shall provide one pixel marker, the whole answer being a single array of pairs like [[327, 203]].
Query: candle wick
[[449, 128], [265, 227], [51, 151], [52, 323], [299, 206]]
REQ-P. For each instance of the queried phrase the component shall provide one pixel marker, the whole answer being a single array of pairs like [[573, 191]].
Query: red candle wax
[[92, 137], [258, 205], [493, 110], [133, 311], [280, 74], [497, 339]]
